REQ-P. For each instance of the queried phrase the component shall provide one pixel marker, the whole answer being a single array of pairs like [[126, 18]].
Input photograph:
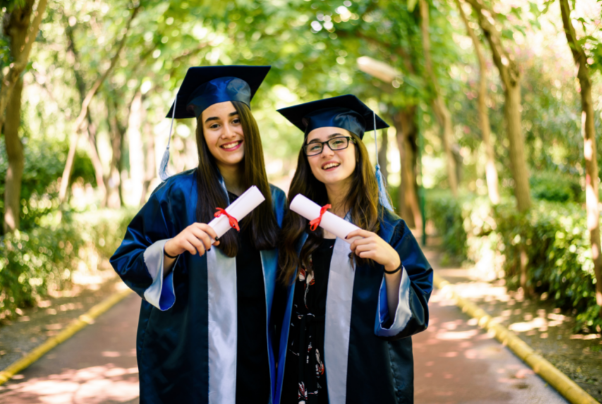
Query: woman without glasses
[[203, 333], [350, 308]]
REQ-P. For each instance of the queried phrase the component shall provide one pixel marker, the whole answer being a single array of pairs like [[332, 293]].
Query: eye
[[314, 147], [236, 121], [214, 126], [338, 142]]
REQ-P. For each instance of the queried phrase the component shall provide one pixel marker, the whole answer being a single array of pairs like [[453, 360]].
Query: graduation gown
[[187, 332], [367, 350]]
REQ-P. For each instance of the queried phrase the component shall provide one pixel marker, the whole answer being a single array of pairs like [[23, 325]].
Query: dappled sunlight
[[97, 384]]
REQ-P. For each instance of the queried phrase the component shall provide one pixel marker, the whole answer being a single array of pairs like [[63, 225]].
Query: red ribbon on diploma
[[231, 219], [313, 224]]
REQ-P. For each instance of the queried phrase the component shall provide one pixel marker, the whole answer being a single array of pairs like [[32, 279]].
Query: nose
[[227, 132], [326, 151]]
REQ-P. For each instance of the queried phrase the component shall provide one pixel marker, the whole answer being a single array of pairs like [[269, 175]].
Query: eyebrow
[[215, 118], [329, 137]]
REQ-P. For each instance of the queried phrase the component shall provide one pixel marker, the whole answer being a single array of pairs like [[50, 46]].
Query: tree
[[80, 122], [510, 76], [439, 107], [21, 31], [589, 140], [490, 170]]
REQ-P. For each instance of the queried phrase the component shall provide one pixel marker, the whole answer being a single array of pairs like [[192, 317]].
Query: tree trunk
[[80, 122], [91, 129], [589, 139], [117, 134], [16, 160], [490, 170], [15, 26], [18, 20], [151, 166], [136, 149], [407, 131], [439, 107], [510, 77]]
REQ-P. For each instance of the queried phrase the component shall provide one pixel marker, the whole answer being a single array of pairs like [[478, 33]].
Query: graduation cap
[[204, 86], [345, 112]]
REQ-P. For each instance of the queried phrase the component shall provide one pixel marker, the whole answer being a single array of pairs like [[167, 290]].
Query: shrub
[[556, 187], [44, 258], [555, 236]]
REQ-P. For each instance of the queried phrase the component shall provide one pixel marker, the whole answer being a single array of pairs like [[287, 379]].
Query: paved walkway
[[455, 362], [97, 365]]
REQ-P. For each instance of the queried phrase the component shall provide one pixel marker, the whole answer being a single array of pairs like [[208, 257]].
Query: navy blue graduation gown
[[187, 332], [367, 350]]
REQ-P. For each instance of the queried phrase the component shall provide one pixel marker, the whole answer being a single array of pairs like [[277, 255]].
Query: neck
[[336, 197], [232, 178]]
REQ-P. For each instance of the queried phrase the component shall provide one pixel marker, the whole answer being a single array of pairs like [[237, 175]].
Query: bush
[[45, 257], [556, 187], [555, 236]]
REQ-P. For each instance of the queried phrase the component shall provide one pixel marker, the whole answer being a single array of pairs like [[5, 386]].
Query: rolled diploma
[[330, 222], [240, 208]]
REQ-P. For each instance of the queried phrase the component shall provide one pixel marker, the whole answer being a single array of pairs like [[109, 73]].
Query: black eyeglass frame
[[327, 143]]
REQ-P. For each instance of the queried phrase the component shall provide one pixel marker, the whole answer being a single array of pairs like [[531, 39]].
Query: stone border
[[561, 382], [76, 325]]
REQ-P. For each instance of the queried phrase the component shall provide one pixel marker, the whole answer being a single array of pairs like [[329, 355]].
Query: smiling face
[[223, 133], [331, 167]]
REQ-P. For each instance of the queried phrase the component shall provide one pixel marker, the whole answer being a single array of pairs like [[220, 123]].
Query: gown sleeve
[[411, 315], [139, 258]]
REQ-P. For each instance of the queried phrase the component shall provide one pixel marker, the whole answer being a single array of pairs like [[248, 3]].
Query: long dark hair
[[211, 195], [362, 198]]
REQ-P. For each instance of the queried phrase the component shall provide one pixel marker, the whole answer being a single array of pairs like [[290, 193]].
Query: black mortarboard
[[204, 86], [345, 111]]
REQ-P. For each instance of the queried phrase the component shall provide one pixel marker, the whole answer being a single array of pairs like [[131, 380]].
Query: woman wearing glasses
[[349, 308], [203, 333]]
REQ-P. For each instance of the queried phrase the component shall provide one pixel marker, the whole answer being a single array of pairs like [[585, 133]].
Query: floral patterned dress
[[305, 375]]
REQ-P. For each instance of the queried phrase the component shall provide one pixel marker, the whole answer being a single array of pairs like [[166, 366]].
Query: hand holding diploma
[[329, 221], [200, 236]]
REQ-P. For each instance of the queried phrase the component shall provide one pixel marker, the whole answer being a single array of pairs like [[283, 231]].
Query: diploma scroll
[[238, 209], [330, 222]]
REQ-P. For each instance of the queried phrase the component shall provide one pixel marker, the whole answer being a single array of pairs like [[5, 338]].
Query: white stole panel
[[338, 321], [223, 326]]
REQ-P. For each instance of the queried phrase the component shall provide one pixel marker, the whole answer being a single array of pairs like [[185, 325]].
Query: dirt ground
[[540, 324]]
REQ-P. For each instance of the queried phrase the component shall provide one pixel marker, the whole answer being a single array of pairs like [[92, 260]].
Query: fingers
[[207, 229], [187, 246], [204, 237], [359, 233], [198, 244]]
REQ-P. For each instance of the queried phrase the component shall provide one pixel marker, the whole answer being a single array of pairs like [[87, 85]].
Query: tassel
[[163, 174], [383, 195]]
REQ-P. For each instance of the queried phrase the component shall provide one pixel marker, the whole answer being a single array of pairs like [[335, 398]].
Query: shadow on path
[[97, 365], [458, 363]]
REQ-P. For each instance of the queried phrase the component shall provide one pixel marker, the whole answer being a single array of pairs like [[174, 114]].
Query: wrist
[[393, 265], [167, 250]]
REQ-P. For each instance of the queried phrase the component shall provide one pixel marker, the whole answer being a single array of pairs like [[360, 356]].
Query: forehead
[[325, 133], [220, 110]]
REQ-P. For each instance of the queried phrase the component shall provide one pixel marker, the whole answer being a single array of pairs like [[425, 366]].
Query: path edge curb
[[75, 326], [551, 374]]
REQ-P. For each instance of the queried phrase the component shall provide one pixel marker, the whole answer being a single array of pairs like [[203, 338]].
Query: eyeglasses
[[336, 143]]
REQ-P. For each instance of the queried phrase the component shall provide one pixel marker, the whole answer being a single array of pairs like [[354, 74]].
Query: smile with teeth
[[330, 165], [231, 145]]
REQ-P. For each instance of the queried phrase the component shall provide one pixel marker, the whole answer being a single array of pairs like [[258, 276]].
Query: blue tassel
[[383, 195], [163, 174]]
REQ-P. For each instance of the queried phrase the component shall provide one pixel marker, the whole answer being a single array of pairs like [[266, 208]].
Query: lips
[[330, 165], [231, 146]]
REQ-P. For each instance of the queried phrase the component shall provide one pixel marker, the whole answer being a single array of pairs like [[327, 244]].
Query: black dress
[[252, 371], [305, 374]]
